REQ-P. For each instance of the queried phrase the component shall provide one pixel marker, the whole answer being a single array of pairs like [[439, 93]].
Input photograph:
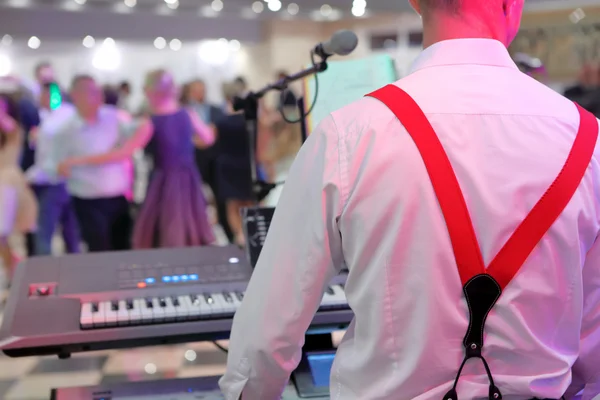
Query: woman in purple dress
[[174, 211]]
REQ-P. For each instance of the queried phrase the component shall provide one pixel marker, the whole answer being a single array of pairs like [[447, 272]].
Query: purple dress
[[174, 211]]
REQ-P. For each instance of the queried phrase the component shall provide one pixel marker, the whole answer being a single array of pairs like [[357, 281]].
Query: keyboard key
[[123, 313], [86, 319]]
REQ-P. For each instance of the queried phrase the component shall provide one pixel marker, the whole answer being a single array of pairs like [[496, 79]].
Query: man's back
[[507, 137]]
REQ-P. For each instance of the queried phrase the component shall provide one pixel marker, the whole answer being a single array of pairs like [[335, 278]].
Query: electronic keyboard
[[97, 301]]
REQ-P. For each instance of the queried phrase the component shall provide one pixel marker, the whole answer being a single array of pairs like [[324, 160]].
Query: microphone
[[341, 43]]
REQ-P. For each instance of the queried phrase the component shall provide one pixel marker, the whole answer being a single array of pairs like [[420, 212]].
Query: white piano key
[[158, 312], [340, 295], [135, 313], [215, 308], [181, 309], [123, 314], [236, 302], [226, 306], [86, 319], [98, 316], [205, 308], [193, 307], [147, 315], [110, 315], [328, 299], [170, 313]]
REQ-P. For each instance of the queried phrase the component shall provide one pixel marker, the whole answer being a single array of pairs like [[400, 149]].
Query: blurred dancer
[[55, 202], [18, 208], [174, 211], [98, 191], [234, 177]]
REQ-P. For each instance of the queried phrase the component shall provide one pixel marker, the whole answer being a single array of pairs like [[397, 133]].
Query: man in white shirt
[[98, 191], [359, 196]]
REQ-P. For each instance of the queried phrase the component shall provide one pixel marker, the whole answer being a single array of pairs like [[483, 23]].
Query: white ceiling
[[242, 8]]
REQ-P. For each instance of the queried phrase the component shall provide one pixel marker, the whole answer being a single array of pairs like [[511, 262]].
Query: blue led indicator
[[194, 277], [184, 277], [175, 278], [150, 281], [166, 279]]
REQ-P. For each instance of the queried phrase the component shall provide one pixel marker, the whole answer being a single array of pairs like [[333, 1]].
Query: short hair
[[124, 85], [42, 65], [240, 80], [81, 77]]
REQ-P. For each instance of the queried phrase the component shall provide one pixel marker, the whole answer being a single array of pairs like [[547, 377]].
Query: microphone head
[[343, 42]]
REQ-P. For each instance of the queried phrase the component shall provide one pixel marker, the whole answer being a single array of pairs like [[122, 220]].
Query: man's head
[[44, 73], [87, 96], [124, 88], [241, 85], [197, 91], [456, 19]]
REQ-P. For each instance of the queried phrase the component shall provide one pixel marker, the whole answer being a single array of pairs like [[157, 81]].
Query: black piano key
[[149, 303], [175, 301], [195, 299], [114, 305], [162, 302], [94, 307], [330, 290], [208, 299], [240, 295], [228, 297], [129, 304]]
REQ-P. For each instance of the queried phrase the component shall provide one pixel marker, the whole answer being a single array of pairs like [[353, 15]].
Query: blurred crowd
[[82, 162]]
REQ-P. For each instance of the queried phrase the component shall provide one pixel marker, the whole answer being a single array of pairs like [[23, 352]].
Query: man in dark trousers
[[206, 158]]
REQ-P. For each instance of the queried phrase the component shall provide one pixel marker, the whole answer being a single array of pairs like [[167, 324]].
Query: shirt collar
[[464, 52]]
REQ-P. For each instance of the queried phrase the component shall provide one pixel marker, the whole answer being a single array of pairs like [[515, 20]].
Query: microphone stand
[[249, 104]]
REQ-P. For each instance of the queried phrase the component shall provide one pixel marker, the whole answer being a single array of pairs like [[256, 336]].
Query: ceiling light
[[108, 42], [326, 10], [89, 41], [19, 3], [274, 5], [171, 1], [174, 5], [107, 57], [258, 7], [80, 2], [358, 11], [235, 45], [130, 3], [216, 5], [359, 3], [293, 8], [160, 43], [213, 52], [175, 44], [6, 40], [34, 42], [190, 355], [5, 65], [150, 368]]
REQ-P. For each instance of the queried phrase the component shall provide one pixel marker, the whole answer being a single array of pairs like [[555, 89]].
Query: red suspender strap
[[482, 287], [466, 248]]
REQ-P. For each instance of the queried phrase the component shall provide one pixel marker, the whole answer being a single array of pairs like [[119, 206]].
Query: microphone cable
[[314, 102]]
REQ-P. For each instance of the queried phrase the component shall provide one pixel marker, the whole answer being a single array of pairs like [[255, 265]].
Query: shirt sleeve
[[586, 373], [302, 253]]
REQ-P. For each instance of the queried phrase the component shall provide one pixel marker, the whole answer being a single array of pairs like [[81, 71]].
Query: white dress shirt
[[80, 138], [43, 172], [359, 195]]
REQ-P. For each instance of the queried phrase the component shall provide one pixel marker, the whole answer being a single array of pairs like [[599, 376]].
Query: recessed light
[[130, 3], [293, 8], [217, 5], [258, 7], [160, 43], [174, 5], [175, 44], [326, 10], [89, 41], [359, 3], [34, 42], [358, 11], [108, 42], [274, 5], [80, 2], [235, 45], [6, 40], [171, 1]]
